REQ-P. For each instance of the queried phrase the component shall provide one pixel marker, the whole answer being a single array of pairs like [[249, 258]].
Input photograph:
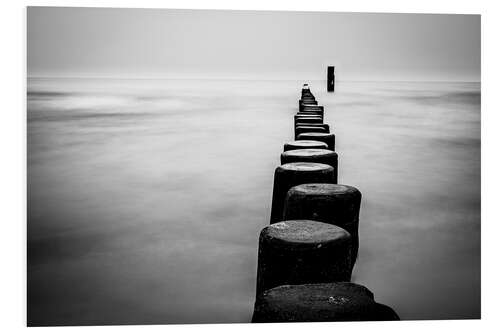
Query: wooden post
[[314, 106], [306, 129], [304, 144], [308, 119], [325, 126], [329, 203], [324, 156], [289, 175], [302, 251], [330, 84], [338, 301], [329, 139], [307, 101], [311, 113]]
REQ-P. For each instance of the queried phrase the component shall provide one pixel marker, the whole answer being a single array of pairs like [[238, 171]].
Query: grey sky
[[195, 43]]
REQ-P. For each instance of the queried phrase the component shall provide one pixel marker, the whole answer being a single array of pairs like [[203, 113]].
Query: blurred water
[[146, 197]]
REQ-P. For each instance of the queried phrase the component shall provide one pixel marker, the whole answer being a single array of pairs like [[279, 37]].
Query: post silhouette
[[324, 156], [330, 84], [328, 138], [304, 144], [302, 251], [329, 203], [289, 175], [307, 129], [338, 301], [325, 126]]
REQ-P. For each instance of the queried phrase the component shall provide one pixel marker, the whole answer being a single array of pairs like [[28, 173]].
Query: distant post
[[330, 80]]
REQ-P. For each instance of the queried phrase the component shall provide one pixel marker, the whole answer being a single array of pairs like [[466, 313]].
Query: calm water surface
[[146, 197]]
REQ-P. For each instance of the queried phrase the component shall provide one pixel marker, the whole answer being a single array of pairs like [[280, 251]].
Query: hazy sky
[[192, 43]]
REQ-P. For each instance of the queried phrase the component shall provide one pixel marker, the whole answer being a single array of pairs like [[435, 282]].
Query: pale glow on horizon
[[254, 45]]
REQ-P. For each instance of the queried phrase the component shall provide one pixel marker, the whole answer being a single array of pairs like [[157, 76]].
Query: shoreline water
[[135, 205]]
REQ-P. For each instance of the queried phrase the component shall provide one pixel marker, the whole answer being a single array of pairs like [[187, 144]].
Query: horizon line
[[239, 79]]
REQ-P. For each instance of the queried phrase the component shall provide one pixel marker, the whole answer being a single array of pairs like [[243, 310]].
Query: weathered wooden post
[[305, 88], [328, 138], [291, 174], [311, 110], [312, 107], [338, 301], [325, 126], [307, 94], [329, 203], [322, 128], [308, 119], [308, 115], [311, 113], [304, 106], [304, 144], [307, 101], [330, 84], [309, 129], [302, 251], [324, 156]]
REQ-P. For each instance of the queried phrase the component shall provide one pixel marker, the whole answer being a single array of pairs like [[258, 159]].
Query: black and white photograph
[[209, 166]]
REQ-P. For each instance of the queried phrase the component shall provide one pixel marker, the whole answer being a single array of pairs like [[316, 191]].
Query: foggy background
[[245, 44]]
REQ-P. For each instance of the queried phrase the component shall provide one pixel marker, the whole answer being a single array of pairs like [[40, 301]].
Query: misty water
[[146, 197]]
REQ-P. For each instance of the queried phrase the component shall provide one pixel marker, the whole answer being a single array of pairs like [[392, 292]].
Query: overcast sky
[[196, 43]]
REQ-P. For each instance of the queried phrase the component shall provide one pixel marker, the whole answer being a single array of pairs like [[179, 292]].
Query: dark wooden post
[[330, 84], [329, 203], [302, 251], [339, 301], [324, 156], [304, 144], [329, 139], [306, 129], [289, 175]]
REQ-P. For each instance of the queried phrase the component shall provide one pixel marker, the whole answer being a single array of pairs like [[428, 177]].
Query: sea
[[146, 196]]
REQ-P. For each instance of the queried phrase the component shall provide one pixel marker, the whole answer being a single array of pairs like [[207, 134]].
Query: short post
[[338, 301], [328, 138], [312, 107], [306, 129], [308, 119], [307, 101], [303, 106], [324, 156], [325, 126], [289, 175], [330, 83], [304, 144], [305, 88], [299, 115], [302, 251], [329, 203], [311, 113], [308, 110]]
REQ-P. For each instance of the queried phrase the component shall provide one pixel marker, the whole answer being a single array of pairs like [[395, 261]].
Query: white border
[[13, 162]]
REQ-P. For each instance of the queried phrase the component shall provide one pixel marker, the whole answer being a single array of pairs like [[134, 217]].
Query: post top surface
[[304, 232], [307, 143], [309, 152], [312, 126], [317, 134], [305, 166], [322, 189], [304, 116], [320, 291]]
